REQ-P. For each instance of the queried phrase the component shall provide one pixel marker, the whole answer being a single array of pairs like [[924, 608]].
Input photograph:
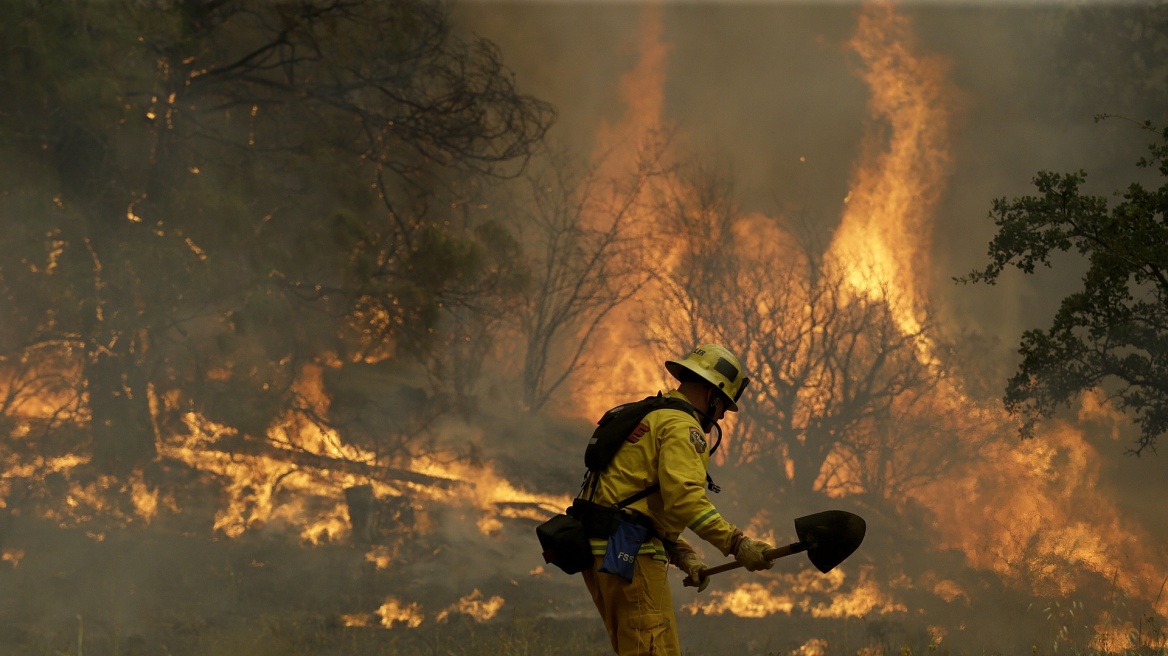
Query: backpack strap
[[592, 478], [638, 496]]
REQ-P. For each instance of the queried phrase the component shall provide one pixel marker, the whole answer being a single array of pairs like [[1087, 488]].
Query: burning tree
[[587, 258], [208, 200], [842, 398]]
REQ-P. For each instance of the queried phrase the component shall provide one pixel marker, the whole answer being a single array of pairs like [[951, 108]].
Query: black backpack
[[620, 424], [565, 537]]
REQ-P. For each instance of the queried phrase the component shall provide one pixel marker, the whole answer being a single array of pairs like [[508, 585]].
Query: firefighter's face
[[719, 406]]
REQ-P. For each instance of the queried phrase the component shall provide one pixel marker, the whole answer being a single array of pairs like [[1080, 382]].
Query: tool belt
[[602, 521], [625, 532], [565, 538]]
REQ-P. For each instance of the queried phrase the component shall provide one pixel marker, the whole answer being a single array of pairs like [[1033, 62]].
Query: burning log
[[520, 506], [251, 447]]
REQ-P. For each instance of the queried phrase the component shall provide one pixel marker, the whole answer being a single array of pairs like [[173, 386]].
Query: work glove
[[749, 552], [692, 565], [687, 560]]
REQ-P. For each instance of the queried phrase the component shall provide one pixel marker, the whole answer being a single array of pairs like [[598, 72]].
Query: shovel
[[828, 537]]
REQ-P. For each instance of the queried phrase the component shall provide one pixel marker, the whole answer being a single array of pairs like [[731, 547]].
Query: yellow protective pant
[[638, 614]]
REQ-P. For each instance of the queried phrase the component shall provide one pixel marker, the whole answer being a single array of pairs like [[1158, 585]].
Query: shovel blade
[[831, 536]]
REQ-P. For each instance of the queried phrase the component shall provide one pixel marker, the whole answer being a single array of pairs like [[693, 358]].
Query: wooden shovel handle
[[769, 554]]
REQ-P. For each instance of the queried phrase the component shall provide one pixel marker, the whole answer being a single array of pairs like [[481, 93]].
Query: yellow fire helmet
[[717, 365]]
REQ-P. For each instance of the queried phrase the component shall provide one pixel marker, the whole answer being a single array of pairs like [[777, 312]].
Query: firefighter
[[673, 452]]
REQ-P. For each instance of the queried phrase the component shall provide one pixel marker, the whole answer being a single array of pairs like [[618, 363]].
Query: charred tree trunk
[[808, 457], [115, 377], [363, 517], [123, 433], [110, 319]]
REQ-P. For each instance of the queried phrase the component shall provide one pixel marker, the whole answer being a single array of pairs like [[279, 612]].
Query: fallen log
[[268, 449]]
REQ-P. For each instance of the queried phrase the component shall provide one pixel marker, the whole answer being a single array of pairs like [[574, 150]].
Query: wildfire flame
[[474, 606], [1046, 524], [381, 556], [807, 592], [884, 237], [13, 556], [1031, 512], [813, 647], [265, 488], [394, 612], [619, 147]]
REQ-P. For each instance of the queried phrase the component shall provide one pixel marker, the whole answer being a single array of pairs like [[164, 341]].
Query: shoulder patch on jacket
[[697, 439], [638, 433]]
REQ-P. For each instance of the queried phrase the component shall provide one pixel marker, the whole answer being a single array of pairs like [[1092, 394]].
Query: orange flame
[[884, 238], [1032, 512], [618, 149], [474, 606], [813, 647], [381, 555], [266, 489], [13, 556], [642, 91], [807, 591], [394, 612]]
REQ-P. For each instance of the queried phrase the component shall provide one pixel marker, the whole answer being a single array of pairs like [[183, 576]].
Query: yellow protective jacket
[[671, 450]]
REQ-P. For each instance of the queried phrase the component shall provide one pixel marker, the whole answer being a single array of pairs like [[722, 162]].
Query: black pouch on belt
[[565, 543], [565, 537]]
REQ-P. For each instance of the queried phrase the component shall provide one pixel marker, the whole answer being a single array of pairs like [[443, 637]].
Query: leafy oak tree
[[1111, 334]]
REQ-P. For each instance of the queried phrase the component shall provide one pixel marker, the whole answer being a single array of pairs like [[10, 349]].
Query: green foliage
[[1113, 332]]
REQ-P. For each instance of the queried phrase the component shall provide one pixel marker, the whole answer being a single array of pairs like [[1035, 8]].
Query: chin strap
[[711, 409], [707, 422]]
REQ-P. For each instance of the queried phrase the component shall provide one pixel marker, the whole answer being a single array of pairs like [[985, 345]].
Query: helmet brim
[[676, 368]]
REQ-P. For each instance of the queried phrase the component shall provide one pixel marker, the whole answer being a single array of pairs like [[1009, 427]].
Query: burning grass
[[146, 590], [227, 546], [109, 567], [316, 635]]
